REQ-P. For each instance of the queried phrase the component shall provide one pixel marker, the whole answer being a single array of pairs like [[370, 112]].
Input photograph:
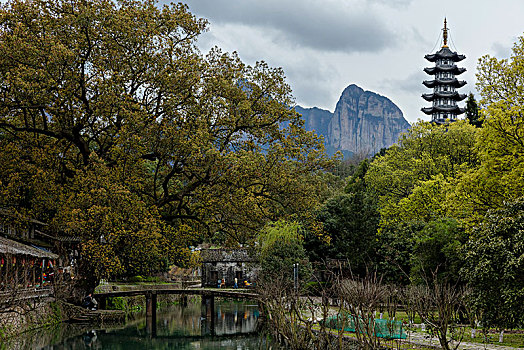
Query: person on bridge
[[223, 284], [89, 302], [236, 283]]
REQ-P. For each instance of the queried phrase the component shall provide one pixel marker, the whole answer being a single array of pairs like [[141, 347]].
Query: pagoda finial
[[445, 34]]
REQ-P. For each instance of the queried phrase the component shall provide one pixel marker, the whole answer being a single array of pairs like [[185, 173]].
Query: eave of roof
[[8, 246], [454, 95], [451, 109], [453, 82]]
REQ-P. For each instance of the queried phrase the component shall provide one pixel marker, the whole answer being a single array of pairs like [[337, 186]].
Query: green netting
[[382, 328]]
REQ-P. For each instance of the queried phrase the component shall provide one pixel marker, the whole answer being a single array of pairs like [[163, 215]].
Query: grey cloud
[[310, 82], [411, 84], [304, 23], [501, 50], [418, 38], [393, 3]]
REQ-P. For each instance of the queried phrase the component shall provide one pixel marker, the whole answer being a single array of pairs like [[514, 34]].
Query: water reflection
[[233, 325]]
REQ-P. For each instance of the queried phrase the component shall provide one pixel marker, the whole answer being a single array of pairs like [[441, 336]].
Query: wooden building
[[25, 266]]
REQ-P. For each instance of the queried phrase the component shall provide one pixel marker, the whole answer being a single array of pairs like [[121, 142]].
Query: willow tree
[[206, 141]]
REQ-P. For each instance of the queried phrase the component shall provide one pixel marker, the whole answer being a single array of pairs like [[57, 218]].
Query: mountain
[[363, 121]]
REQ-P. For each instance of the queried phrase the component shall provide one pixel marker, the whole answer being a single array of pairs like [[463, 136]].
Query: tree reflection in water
[[235, 327]]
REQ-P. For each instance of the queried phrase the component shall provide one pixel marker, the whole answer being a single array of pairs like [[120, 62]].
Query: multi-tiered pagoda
[[445, 83]]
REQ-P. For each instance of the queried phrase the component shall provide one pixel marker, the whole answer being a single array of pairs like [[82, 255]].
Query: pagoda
[[445, 84]]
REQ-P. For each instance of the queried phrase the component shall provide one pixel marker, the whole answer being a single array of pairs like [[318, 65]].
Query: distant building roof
[[8, 246], [225, 255]]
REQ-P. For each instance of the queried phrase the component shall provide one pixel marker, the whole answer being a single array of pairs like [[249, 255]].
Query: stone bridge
[[208, 300]]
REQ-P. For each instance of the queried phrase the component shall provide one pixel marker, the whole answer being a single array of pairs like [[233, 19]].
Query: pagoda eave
[[451, 68], [451, 82], [445, 53], [451, 109], [453, 95]]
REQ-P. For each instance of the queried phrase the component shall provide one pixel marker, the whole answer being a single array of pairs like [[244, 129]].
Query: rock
[[363, 122]]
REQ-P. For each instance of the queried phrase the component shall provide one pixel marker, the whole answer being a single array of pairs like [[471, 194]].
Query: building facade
[[226, 265]]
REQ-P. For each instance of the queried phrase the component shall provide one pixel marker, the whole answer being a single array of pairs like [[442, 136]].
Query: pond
[[236, 325]]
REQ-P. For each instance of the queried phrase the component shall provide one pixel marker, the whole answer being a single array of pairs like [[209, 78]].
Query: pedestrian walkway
[[425, 340]]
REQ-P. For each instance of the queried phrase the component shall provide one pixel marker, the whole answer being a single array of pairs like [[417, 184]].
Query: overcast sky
[[325, 45]]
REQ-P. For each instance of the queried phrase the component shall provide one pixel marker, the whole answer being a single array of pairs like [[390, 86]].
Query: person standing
[[236, 283]]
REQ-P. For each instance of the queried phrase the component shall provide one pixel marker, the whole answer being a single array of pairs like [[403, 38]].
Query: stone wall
[[29, 316]]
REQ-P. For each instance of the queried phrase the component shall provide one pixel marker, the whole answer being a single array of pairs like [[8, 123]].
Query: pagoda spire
[[445, 34]]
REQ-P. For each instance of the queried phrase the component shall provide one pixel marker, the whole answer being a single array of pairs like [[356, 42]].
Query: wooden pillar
[[151, 304], [151, 298], [208, 315], [102, 303]]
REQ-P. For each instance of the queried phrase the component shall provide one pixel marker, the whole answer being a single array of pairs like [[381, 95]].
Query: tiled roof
[[8, 246], [225, 255]]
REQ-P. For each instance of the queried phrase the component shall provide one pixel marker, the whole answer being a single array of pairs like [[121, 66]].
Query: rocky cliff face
[[363, 121]]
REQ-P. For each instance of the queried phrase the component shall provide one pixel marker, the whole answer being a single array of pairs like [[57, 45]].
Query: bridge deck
[[233, 293]]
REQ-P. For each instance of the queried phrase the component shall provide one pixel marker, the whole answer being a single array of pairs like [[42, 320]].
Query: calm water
[[236, 326]]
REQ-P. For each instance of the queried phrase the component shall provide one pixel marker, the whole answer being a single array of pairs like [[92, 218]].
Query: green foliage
[[55, 317], [437, 251], [280, 247], [356, 182], [415, 182], [351, 224], [135, 279], [350, 221], [394, 251], [472, 111], [279, 231], [425, 151], [499, 177], [117, 303], [494, 267]]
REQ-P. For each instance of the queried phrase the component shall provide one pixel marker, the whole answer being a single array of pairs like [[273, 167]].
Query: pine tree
[[472, 111]]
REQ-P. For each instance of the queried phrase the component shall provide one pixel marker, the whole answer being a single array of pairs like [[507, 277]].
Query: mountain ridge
[[363, 121]]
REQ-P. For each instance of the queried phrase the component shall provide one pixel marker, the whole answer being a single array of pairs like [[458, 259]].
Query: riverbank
[[49, 312], [30, 315], [235, 326]]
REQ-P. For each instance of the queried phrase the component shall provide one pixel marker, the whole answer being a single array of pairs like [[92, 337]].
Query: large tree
[[415, 181], [495, 267], [472, 111], [348, 224], [498, 179], [206, 143]]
